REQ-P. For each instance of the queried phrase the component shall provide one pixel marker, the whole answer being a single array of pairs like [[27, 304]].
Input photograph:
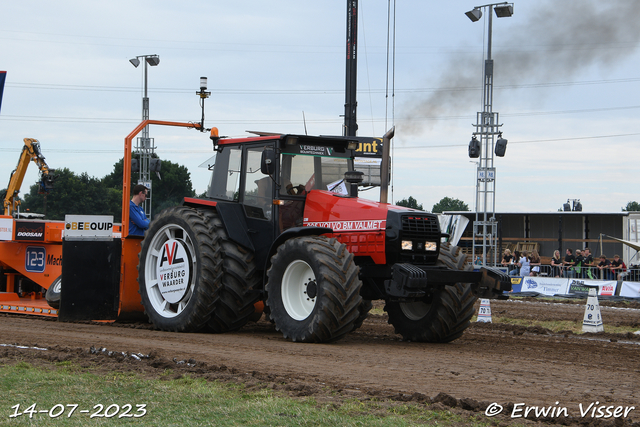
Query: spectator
[[478, 261], [569, 262], [578, 266], [588, 264], [516, 269], [138, 222], [605, 267], [556, 264], [507, 259], [617, 267], [524, 265], [534, 261], [630, 274]]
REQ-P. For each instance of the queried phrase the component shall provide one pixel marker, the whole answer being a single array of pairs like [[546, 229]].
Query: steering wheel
[[298, 190]]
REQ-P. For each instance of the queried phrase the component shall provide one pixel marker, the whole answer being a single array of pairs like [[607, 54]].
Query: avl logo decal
[[169, 253], [173, 271]]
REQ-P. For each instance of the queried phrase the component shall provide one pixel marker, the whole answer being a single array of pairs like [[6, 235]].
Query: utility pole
[[350, 122]]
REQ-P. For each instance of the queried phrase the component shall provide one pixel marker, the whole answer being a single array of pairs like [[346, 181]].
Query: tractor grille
[[418, 227]]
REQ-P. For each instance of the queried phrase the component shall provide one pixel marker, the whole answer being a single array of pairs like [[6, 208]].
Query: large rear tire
[[313, 289], [179, 270], [446, 316], [240, 279]]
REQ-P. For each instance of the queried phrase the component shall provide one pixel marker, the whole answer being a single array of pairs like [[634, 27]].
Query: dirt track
[[490, 363]]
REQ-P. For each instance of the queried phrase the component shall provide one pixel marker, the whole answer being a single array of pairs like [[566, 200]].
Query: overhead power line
[[531, 141], [101, 120], [398, 147], [280, 91]]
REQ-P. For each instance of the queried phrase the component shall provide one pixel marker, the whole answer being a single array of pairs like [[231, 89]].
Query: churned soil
[[491, 363]]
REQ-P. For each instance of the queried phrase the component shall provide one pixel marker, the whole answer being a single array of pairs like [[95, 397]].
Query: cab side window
[[225, 179], [258, 191]]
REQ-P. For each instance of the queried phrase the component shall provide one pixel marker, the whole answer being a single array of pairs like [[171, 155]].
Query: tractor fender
[[289, 234], [232, 215]]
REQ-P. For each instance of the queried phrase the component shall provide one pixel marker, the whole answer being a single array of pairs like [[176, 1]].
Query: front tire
[[313, 289], [363, 309], [53, 293], [446, 316], [179, 270]]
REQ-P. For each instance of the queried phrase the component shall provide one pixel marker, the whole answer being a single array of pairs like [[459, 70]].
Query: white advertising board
[[88, 227], [630, 290], [6, 228], [544, 285], [605, 287]]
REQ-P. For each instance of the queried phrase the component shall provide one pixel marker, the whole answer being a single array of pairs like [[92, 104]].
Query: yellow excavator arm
[[30, 152]]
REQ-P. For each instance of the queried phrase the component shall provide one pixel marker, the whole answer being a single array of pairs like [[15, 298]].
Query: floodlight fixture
[[474, 14], [153, 60], [504, 11], [135, 62]]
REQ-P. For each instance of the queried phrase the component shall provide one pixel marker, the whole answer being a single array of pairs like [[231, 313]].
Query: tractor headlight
[[430, 246], [407, 245]]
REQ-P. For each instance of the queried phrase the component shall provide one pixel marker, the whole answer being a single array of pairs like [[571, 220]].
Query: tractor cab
[[271, 176]]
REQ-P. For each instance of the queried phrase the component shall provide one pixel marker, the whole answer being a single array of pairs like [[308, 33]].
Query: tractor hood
[[345, 213]]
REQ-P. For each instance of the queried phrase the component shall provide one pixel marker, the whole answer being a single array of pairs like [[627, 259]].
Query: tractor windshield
[[301, 173]]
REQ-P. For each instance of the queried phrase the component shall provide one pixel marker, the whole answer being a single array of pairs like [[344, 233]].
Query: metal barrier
[[591, 272]]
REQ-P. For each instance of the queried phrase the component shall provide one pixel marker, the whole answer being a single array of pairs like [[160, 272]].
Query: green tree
[[84, 195], [632, 207], [166, 192], [410, 203], [76, 195], [449, 204]]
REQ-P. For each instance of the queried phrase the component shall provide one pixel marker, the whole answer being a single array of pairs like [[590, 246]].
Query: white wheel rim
[[57, 286], [151, 279], [295, 282], [415, 310]]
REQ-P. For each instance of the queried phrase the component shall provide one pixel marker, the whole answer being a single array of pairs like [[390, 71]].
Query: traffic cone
[[592, 319], [484, 312]]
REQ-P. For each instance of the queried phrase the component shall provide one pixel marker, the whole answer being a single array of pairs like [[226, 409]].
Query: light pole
[[144, 145], [477, 182], [487, 128]]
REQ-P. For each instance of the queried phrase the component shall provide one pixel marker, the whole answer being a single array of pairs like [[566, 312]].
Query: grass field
[[55, 390]]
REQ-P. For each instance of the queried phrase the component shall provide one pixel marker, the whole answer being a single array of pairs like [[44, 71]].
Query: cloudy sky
[[566, 84]]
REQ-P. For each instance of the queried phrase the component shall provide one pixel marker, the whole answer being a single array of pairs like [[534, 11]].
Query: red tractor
[[282, 223]]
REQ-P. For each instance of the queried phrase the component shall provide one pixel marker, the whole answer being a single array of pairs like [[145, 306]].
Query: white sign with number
[[592, 321], [484, 312]]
